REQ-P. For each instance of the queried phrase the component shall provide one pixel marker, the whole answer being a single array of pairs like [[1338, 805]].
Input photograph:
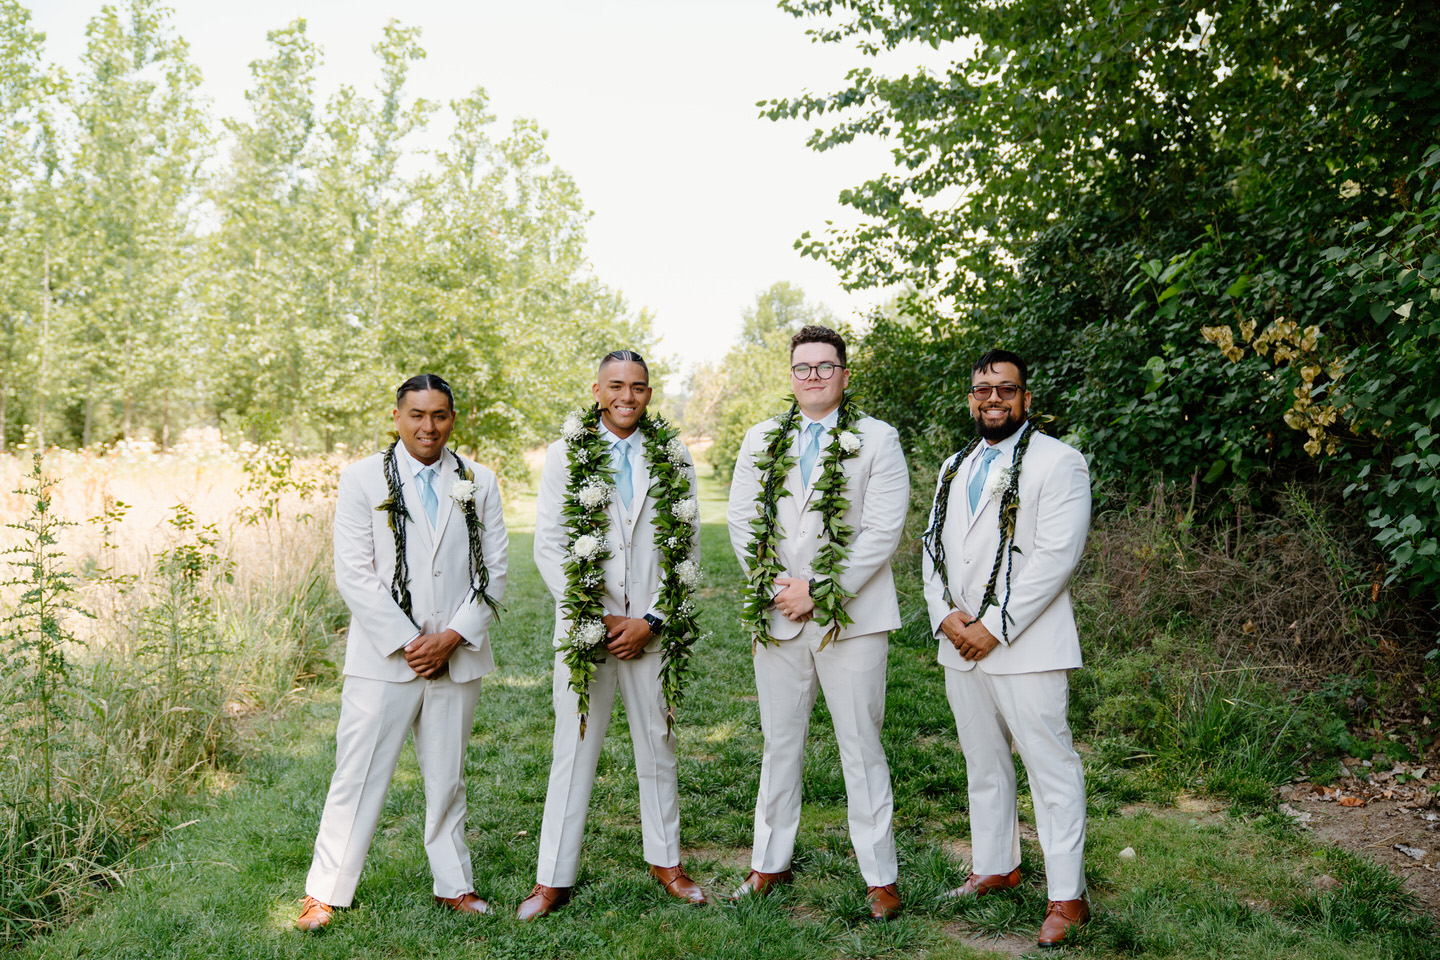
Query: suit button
[[437, 573]]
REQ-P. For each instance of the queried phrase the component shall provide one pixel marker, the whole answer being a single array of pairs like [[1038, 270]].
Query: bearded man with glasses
[[817, 505], [1006, 532]]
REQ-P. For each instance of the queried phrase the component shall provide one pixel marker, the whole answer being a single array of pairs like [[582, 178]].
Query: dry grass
[[1291, 589]]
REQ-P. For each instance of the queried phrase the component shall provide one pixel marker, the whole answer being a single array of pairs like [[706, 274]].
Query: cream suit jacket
[[439, 562], [632, 573], [1050, 530], [877, 486]]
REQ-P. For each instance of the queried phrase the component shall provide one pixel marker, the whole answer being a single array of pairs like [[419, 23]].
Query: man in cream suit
[[632, 658], [851, 669], [417, 647], [1008, 661]]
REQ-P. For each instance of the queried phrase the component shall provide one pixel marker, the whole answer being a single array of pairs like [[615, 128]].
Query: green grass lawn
[[224, 882]]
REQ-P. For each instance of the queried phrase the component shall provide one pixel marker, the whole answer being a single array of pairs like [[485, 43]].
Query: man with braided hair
[[1006, 532], [420, 559]]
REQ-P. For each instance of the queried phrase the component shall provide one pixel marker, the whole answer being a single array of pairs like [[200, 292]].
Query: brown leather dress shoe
[[759, 884], [314, 915], [884, 901], [1061, 917], [542, 900], [677, 884], [465, 903], [977, 885]]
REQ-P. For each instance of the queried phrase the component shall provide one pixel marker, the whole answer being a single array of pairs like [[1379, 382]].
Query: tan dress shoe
[[884, 901], [1061, 917], [465, 903], [314, 915], [977, 885], [759, 884], [542, 900], [677, 884]]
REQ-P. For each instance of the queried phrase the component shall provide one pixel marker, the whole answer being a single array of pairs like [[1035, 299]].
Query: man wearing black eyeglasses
[[1006, 532], [817, 505]]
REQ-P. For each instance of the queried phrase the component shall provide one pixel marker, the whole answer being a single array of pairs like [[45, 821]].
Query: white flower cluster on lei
[[676, 516]]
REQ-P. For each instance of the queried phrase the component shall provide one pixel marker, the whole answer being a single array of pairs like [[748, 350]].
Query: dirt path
[[1389, 813]]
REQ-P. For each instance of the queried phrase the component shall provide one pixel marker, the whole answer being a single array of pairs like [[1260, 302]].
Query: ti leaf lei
[[590, 486], [774, 461], [393, 506], [1009, 492]]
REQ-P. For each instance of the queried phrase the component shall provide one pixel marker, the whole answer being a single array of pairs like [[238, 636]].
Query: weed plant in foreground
[[113, 725], [1201, 883]]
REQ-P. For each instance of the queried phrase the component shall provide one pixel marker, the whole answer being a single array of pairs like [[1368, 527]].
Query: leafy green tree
[[1095, 185], [140, 138], [752, 381], [22, 101]]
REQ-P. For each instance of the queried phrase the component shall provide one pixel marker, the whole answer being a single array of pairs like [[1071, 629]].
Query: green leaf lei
[[397, 516], [1009, 509], [590, 486], [774, 461]]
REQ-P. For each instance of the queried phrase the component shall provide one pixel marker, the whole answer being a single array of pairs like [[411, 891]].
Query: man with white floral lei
[[817, 506], [1006, 532], [615, 541], [420, 559]]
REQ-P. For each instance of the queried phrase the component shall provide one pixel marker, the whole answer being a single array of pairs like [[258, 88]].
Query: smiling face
[[424, 420], [995, 418], [622, 389], [818, 397]]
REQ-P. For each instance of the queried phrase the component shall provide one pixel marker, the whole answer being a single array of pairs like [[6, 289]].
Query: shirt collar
[[1006, 446], [828, 421], [634, 439], [416, 466]]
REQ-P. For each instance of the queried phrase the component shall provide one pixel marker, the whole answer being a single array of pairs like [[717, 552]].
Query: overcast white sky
[[650, 105]]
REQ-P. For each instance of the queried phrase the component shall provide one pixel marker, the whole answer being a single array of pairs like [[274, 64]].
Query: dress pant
[[375, 716], [851, 672], [573, 762], [1028, 709]]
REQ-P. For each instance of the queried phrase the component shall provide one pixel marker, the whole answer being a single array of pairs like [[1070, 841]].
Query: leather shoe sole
[[542, 900], [759, 884]]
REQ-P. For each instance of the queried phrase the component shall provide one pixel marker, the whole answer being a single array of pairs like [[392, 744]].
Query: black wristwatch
[[655, 624], [811, 592]]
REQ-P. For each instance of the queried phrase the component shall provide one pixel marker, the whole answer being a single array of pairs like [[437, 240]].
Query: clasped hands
[[627, 636], [974, 642], [793, 600], [429, 654]]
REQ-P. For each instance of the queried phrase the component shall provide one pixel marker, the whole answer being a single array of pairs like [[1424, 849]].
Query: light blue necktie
[[428, 500], [811, 451], [977, 482], [624, 481]]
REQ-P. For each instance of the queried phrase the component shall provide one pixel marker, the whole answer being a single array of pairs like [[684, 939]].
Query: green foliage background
[[1211, 228], [280, 273]]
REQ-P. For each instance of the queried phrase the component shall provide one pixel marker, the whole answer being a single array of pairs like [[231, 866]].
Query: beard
[[999, 431]]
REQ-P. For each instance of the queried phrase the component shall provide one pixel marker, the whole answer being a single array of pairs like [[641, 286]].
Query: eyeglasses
[[1007, 391], [825, 371]]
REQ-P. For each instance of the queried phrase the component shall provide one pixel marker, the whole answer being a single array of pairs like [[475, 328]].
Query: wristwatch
[[655, 624]]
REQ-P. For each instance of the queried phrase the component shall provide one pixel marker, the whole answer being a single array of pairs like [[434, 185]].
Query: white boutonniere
[[463, 491], [997, 482], [849, 442]]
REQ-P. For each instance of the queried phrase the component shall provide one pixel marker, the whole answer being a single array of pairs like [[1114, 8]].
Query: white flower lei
[[589, 489]]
